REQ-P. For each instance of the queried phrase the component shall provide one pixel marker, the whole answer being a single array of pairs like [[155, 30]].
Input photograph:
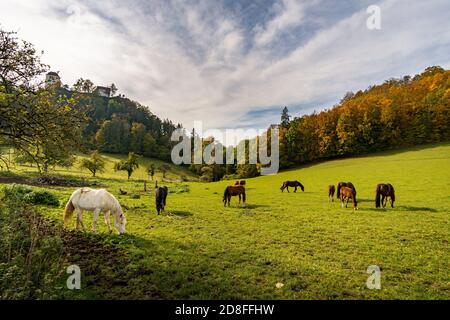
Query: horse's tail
[[355, 203], [243, 196], [338, 191], [68, 211], [378, 196], [225, 194]]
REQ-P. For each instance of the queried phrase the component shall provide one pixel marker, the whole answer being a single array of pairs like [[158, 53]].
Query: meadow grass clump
[[42, 197]]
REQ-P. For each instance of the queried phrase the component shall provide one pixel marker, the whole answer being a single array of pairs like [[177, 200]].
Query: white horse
[[97, 201]]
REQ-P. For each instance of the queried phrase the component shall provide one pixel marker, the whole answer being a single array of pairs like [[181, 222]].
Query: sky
[[233, 64]]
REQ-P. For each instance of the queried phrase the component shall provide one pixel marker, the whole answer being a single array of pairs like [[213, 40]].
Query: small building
[[52, 79], [103, 91]]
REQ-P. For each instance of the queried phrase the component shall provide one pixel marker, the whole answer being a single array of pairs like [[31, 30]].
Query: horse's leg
[[287, 188], [384, 200], [239, 199], [94, 222], [108, 223], [295, 190], [80, 219], [342, 201], [346, 204]]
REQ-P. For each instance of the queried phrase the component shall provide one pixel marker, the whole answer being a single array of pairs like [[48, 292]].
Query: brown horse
[[384, 191], [295, 184], [344, 184], [331, 191], [233, 191], [346, 194]]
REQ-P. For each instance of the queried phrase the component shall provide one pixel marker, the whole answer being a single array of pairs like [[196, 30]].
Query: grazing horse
[[346, 194], [233, 191], [344, 184], [384, 191], [331, 191], [97, 201], [294, 184], [160, 197]]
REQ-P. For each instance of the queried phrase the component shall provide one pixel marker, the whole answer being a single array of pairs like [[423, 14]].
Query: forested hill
[[399, 112], [120, 125]]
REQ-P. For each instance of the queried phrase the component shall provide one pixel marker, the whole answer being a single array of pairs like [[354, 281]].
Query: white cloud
[[197, 62], [290, 13]]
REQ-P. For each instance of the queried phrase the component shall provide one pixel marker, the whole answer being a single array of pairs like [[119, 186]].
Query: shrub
[[16, 191], [205, 179], [41, 197], [21, 193]]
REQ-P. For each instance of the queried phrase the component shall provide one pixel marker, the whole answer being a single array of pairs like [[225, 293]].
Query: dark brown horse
[[344, 184], [294, 184], [160, 197], [233, 191], [384, 191], [346, 194], [331, 191]]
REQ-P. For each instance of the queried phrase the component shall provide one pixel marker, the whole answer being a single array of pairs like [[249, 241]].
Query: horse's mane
[[115, 205]]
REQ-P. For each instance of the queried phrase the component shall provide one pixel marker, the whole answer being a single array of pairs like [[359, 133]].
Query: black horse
[[160, 197], [384, 191], [344, 184]]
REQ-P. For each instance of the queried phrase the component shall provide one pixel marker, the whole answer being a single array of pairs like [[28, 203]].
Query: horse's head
[[121, 221]]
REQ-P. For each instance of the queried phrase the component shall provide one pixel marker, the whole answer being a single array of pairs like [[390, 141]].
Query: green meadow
[[310, 247]]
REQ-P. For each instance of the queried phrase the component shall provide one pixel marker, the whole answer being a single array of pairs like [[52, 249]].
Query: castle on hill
[[53, 79]]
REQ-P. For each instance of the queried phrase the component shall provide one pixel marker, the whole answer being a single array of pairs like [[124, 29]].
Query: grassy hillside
[[174, 173], [199, 249]]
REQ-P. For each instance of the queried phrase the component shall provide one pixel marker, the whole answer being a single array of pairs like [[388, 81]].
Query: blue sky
[[233, 63]]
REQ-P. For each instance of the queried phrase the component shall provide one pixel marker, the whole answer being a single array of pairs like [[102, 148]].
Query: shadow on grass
[[402, 209], [178, 213], [248, 206], [159, 269], [411, 208]]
